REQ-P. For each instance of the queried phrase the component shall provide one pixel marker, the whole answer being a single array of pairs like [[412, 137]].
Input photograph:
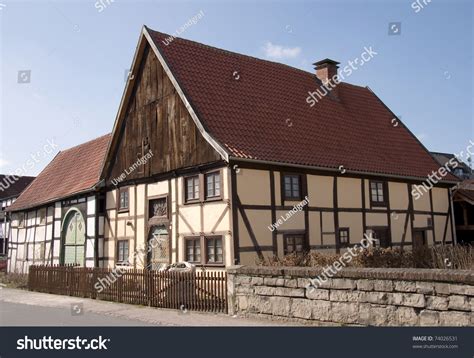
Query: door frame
[[63, 236]]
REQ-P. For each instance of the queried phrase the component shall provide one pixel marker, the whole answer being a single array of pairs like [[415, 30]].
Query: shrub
[[439, 256], [14, 280]]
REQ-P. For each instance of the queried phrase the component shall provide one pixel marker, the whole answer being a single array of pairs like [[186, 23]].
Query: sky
[[63, 63]]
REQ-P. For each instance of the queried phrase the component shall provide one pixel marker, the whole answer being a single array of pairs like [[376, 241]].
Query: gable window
[[377, 193], [213, 185], [214, 250], [293, 243], [193, 249], [344, 236], [123, 199], [292, 187], [122, 252], [192, 188]]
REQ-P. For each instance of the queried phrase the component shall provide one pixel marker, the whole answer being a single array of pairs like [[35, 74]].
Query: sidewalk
[[136, 315]]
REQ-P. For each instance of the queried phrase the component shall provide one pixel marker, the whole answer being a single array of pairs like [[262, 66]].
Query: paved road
[[17, 314], [19, 307]]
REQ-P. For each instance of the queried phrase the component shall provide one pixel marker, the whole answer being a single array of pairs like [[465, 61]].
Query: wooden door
[[74, 238], [419, 238], [158, 247]]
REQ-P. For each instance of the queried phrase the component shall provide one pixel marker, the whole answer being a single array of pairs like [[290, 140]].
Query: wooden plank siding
[[157, 120]]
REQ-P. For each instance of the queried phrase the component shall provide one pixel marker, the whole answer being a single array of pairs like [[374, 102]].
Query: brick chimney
[[326, 70]]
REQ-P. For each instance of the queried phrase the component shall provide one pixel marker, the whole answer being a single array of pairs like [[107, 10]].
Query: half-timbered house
[[59, 217], [243, 167], [11, 187]]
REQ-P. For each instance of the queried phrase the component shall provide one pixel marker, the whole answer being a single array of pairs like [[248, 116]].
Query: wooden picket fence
[[196, 291]]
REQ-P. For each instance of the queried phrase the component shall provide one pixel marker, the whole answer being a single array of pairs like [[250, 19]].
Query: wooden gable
[[158, 122]]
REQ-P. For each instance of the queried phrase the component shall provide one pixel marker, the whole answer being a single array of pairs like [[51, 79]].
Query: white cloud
[[280, 52]]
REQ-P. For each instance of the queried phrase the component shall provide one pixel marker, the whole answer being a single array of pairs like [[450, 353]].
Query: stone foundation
[[369, 297]]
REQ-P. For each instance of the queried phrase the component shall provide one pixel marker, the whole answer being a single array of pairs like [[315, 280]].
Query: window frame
[[384, 202], [122, 262], [205, 176], [344, 229], [197, 239], [121, 209], [283, 188], [202, 186], [202, 242], [206, 259], [294, 234], [193, 200]]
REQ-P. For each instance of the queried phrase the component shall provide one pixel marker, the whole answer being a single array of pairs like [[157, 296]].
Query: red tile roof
[[72, 171], [257, 109]]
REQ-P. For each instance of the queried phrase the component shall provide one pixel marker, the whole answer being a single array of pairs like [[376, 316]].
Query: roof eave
[[334, 170]]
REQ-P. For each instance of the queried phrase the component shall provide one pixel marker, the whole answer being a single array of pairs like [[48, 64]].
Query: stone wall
[[355, 296]]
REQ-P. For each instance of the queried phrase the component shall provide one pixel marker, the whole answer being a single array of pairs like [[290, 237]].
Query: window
[[214, 250], [344, 236], [381, 234], [377, 193], [213, 185], [123, 199], [21, 219], [292, 187], [192, 188], [122, 252], [158, 208], [42, 216], [293, 243], [193, 250]]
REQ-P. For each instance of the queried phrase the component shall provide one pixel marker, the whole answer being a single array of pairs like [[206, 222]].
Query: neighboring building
[[59, 218], [210, 148], [461, 170], [464, 211], [11, 187]]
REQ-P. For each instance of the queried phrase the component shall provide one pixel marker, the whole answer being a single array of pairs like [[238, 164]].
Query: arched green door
[[74, 237]]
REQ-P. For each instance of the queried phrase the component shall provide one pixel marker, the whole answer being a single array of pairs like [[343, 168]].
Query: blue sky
[[78, 53]]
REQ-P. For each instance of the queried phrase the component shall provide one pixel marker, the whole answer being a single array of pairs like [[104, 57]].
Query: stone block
[[429, 318], [344, 312], [344, 296], [437, 303], [321, 310], [302, 308], [256, 281], [343, 284], [365, 285], [383, 285], [453, 318], [406, 316], [460, 303], [280, 306], [405, 286], [317, 294]]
